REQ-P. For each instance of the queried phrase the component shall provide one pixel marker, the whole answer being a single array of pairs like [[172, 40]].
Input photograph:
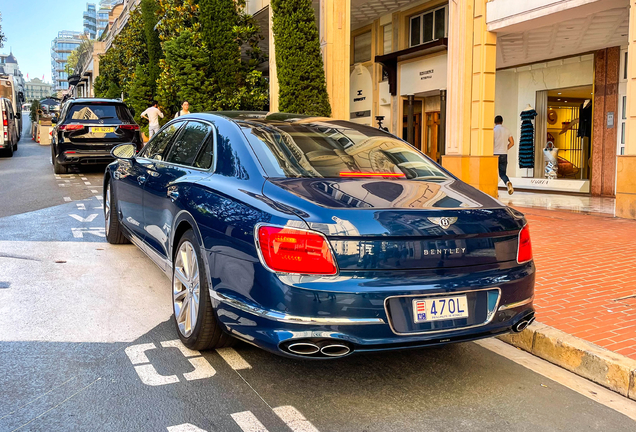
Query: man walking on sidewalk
[[152, 114], [503, 143]]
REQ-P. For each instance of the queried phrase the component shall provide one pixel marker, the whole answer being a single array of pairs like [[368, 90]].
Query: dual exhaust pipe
[[523, 324], [325, 348]]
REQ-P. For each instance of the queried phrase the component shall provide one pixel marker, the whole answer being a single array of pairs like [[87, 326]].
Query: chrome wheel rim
[[186, 288], [107, 208]]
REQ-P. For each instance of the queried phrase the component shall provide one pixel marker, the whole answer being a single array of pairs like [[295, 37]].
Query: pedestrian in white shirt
[[185, 109], [152, 114], [503, 143]]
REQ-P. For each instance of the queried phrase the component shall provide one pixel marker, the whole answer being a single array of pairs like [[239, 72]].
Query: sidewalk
[[586, 270]]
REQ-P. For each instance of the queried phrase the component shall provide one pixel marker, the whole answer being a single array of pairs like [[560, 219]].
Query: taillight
[[524, 250], [5, 121], [129, 127], [71, 127], [290, 250]]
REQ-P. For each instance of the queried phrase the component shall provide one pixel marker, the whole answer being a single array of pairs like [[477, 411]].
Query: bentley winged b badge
[[444, 222]]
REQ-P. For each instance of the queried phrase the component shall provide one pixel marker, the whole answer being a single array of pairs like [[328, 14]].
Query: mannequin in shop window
[[526, 140], [503, 143]]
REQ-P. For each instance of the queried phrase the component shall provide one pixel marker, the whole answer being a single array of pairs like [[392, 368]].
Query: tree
[[2, 37], [149, 17], [301, 75], [141, 93], [35, 106]]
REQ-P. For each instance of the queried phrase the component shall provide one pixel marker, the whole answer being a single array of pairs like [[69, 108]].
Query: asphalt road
[[87, 343], [27, 181]]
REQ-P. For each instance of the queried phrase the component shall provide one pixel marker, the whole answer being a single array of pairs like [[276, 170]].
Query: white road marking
[[94, 191], [99, 197], [568, 379], [89, 218], [137, 353], [81, 206], [149, 376], [79, 232], [67, 181], [87, 183], [202, 369], [233, 358], [186, 427], [83, 178], [248, 422], [68, 199], [294, 419], [176, 343], [101, 207]]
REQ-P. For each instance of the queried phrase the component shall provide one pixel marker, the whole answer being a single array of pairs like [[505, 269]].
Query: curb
[[609, 369]]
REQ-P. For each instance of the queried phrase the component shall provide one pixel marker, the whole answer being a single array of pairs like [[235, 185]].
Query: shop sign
[[424, 75], [361, 95]]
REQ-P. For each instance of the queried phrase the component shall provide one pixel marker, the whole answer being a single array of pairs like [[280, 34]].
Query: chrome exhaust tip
[[303, 348], [335, 350], [520, 326]]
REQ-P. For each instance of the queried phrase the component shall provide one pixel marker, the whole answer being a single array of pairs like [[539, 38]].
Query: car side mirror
[[125, 151], [18, 115]]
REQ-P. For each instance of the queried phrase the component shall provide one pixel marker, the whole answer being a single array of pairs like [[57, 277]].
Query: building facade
[[96, 18], [61, 47], [36, 89]]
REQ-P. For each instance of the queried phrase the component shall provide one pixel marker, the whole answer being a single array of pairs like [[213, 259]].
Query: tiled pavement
[[586, 276]]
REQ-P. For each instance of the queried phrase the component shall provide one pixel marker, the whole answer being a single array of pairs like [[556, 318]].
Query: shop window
[[362, 48], [387, 38], [427, 27], [624, 110]]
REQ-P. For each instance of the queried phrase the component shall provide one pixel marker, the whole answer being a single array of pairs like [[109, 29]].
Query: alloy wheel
[[107, 208], [186, 288]]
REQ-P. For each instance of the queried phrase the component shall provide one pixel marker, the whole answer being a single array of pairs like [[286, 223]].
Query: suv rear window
[[336, 149], [94, 112]]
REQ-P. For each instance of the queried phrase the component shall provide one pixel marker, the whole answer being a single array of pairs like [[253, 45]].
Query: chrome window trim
[[516, 304], [445, 294], [290, 319], [262, 259]]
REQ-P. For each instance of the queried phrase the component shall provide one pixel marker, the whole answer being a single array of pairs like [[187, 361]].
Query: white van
[[9, 90], [9, 134]]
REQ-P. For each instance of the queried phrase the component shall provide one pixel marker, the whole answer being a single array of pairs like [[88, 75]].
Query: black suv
[[88, 129]]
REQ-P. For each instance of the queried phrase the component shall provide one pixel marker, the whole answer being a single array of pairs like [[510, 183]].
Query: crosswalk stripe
[[294, 419], [248, 422], [233, 358]]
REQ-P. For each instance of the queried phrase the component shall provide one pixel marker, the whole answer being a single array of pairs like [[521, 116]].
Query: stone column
[[470, 109], [626, 165], [273, 76], [335, 39]]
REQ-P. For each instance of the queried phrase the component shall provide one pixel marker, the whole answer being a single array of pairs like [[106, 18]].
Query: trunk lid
[[377, 224]]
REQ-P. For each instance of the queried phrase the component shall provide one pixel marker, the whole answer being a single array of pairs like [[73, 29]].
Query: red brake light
[[371, 174], [290, 250], [71, 127], [129, 126], [5, 121], [524, 251]]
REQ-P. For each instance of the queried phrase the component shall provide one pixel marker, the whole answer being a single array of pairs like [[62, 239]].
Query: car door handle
[[173, 194], [141, 180]]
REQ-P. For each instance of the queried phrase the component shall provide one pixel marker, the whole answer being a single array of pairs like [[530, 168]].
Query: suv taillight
[[524, 250], [71, 127], [5, 125], [290, 250], [129, 127]]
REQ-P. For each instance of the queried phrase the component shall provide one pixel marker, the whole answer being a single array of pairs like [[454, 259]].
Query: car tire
[[206, 333], [8, 152], [114, 234], [58, 168]]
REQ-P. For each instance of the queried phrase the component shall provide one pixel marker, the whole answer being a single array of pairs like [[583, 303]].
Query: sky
[[31, 25]]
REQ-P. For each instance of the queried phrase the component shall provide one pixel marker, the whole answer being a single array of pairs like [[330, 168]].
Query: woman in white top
[[184, 110]]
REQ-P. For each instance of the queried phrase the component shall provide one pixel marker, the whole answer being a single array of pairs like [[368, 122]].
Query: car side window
[[204, 160], [186, 146], [156, 147]]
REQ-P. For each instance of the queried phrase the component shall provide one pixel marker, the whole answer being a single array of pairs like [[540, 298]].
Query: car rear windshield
[[336, 150], [95, 112]]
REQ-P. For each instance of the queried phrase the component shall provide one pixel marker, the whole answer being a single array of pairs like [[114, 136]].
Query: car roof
[[277, 119], [94, 100]]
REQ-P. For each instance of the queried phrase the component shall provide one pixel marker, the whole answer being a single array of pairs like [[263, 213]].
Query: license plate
[[102, 129], [440, 308]]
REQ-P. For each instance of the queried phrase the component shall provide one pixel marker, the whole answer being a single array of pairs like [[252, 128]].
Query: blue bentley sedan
[[316, 238]]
